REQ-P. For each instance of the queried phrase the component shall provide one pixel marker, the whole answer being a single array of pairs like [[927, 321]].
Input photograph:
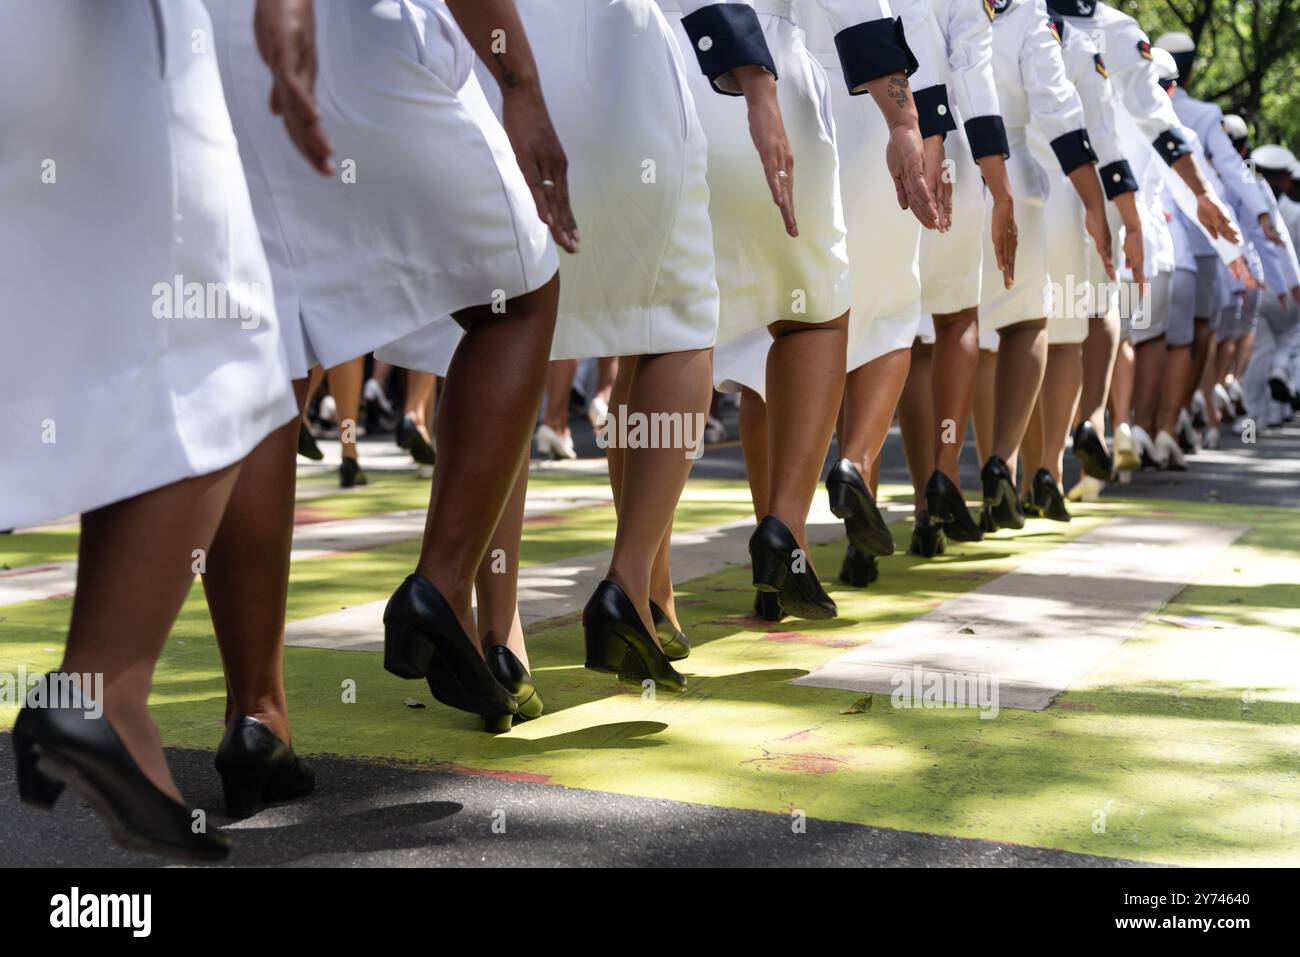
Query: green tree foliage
[[1248, 57]]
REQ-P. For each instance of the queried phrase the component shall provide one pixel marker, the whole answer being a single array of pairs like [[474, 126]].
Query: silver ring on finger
[[548, 184], [782, 174]]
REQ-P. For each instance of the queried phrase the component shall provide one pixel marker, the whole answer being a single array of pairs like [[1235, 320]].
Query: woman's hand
[[905, 157], [1214, 217], [286, 39], [767, 130], [541, 159], [1099, 230], [938, 179], [1135, 253], [1005, 236]]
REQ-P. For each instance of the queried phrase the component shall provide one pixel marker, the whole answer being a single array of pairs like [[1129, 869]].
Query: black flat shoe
[[351, 474], [514, 677], [777, 568], [928, 537], [424, 639], [1048, 498], [613, 632], [407, 436], [1001, 506], [1092, 453], [257, 768], [851, 502], [307, 446], [767, 605], [858, 568], [58, 746], [672, 640], [946, 506]]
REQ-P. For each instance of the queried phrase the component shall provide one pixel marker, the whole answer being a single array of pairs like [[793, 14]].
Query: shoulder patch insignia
[[1100, 64], [1144, 48], [988, 8], [1056, 30], [1000, 6]]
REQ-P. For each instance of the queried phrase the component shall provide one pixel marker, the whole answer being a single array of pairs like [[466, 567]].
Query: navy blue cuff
[[1073, 150], [873, 49], [934, 111], [1171, 144], [726, 36], [1117, 179], [988, 137]]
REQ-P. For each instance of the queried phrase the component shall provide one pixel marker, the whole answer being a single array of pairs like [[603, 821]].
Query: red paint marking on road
[[34, 570], [799, 638], [526, 777], [307, 515], [817, 764]]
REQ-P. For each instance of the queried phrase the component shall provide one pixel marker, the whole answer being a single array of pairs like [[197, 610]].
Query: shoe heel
[[605, 650], [35, 787], [770, 570], [243, 792], [841, 498], [498, 723], [408, 652]]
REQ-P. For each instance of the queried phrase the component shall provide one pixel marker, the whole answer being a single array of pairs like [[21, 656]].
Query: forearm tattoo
[[507, 76], [898, 91]]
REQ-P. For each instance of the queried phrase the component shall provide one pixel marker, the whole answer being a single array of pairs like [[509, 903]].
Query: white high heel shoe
[[1126, 456], [1146, 449], [553, 445], [1168, 453], [597, 413]]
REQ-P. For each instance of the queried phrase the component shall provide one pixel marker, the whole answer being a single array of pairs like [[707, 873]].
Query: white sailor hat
[[1176, 42], [1295, 171], [1165, 65], [1273, 158], [1235, 127]]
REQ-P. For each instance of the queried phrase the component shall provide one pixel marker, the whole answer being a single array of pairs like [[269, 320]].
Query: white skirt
[[952, 263], [644, 281], [1030, 297], [764, 276], [1073, 297], [741, 363], [428, 212], [884, 241], [140, 344]]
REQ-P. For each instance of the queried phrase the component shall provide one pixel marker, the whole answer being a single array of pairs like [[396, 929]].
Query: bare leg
[[559, 383], [135, 567], [247, 579], [1178, 372], [484, 422], [1058, 400], [1022, 358], [1121, 384], [871, 394], [1202, 348], [420, 390], [1149, 375], [982, 407], [915, 420], [1209, 376], [496, 586], [345, 386], [314, 379], [677, 383], [606, 373], [1098, 364], [1032, 446], [805, 385], [956, 363], [753, 443]]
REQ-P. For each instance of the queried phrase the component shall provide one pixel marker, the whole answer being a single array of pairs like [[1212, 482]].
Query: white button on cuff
[[705, 44], [1116, 178], [943, 110]]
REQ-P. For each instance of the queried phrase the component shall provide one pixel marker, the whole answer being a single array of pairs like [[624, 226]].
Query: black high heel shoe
[[514, 677], [257, 768], [772, 550], [1092, 453], [851, 501], [307, 446], [946, 506], [56, 747], [858, 568], [1048, 498], [928, 536], [767, 605], [1001, 505], [351, 474], [424, 639], [613, 632], [408, 437], [672, 640]]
